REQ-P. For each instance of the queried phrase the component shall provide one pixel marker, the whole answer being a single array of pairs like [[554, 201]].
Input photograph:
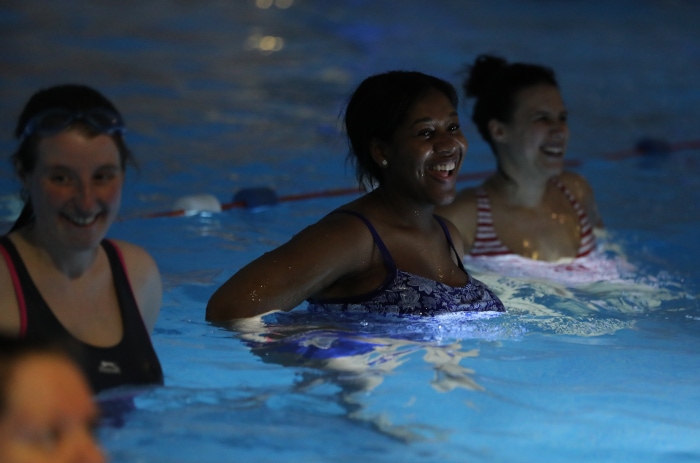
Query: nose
[[85, 199], [450, 143], [560, 128]]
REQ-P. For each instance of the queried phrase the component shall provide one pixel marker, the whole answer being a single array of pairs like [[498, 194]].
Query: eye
[[426, 132], [60, 178], [45, 439], [105, 175], [454, 128]]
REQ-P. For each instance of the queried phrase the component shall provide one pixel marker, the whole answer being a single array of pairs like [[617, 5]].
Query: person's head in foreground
[[47, 413]]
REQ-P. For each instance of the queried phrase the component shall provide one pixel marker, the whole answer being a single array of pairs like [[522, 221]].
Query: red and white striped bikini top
[[487, 243]]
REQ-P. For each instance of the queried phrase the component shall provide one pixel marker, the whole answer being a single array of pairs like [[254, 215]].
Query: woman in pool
[[385, 252], [530, 206], [59, 277], [47, 413]]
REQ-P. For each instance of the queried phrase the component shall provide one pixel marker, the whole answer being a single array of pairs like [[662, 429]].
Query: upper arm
[[283, 278], [145, 280], [462, 213], [9, 310]]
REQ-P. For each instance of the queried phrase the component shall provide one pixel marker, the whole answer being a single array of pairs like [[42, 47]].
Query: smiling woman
[[384, 252], [60, 277], [530, 206]]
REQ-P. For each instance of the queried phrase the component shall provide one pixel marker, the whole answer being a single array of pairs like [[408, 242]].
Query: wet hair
[[376, 109], [495, 84], [72, 97]]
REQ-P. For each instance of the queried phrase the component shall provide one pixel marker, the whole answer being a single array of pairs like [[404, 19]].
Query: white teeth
[[554, 151], [444, 167], [82, 220]]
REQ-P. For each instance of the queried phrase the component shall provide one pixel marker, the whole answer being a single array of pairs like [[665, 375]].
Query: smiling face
[[49, 414], [536, 138], [75, 188], [426, 151]]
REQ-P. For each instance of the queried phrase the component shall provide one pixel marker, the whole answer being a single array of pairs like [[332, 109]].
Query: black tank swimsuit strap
[[26, 292], [125, 295]]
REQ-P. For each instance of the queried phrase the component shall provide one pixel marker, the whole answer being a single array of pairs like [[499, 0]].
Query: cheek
[[110, 191], [530, 138], [113, 193], [111, 196], [49, 194]]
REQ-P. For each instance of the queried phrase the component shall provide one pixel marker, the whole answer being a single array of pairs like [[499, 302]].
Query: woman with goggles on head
[[59, 276]]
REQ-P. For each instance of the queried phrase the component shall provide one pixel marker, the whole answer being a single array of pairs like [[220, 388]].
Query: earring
[[384, 162]]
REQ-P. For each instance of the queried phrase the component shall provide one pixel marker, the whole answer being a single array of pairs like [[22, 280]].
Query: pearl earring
[[384, 162]]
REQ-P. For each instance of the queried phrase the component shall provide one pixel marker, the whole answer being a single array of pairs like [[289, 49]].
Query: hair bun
[[482, 74]]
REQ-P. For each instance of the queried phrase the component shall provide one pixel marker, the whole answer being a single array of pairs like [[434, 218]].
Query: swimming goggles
[[55, 120]]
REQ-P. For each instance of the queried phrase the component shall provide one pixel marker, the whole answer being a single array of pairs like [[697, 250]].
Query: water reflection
[[357, 361], [281, 4], [264, 43]]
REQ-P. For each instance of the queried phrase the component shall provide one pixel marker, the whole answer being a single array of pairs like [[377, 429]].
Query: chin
[[446, 200], [85, 239], [555, 170]]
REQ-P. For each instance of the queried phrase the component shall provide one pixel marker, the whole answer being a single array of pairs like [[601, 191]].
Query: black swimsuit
[[131, 361]]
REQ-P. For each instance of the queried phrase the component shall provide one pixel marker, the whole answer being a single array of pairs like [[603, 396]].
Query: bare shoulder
[[138, 261], [577, 184], [145, 280], [583, 192], [463, 206], [336, 246], [340, 235], [462, 213]]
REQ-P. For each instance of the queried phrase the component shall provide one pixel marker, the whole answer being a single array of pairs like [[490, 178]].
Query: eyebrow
[[429, 119], [108, 165], [548, 110]]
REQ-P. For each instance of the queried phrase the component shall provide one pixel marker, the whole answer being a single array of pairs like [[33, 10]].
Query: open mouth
[[81, 221], [555, 152], [444, 170]]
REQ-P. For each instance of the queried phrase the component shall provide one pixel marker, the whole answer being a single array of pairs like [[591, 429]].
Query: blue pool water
[[601, 365]]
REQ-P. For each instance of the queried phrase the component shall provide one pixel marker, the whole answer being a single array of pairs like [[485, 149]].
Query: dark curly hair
[[375, 110], [495, 84]]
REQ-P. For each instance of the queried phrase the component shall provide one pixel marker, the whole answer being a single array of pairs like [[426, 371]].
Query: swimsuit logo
[[109, 367]]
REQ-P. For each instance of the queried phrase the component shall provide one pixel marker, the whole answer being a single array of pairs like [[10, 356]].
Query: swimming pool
[[221, 96]]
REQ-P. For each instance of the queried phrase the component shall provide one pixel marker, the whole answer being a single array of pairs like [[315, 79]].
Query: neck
[[405, 213], [72, 263], [518, 189]]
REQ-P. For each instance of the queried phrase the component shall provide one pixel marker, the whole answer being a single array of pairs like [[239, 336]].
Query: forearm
[[250, 293]]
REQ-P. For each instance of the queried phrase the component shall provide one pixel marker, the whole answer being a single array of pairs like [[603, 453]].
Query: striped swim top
[[487, 243]]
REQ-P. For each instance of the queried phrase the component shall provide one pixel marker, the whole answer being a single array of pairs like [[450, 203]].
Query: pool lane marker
[[257, 198]]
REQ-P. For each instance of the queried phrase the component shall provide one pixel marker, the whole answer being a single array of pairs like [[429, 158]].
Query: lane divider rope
[[258, 197]]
